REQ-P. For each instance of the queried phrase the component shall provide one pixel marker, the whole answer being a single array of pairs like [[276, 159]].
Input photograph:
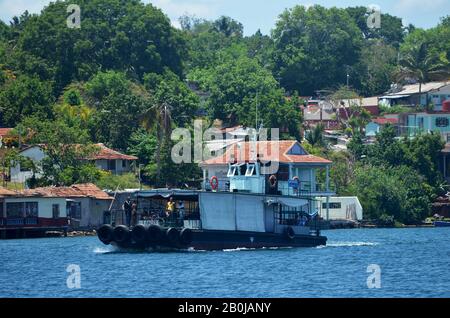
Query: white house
[[105, 159], [341, 208], [78, 206], [408, 95]]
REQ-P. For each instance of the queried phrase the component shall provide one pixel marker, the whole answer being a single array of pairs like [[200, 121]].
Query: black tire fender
[[172, 235], [139, 234], [105, 234], [290, 233], [154, 234], [186, 236], [121, 234]]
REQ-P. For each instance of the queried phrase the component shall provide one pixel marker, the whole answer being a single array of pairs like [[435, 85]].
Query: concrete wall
[[36, 154]]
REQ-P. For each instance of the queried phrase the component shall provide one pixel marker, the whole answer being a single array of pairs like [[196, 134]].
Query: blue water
[[413, 263]]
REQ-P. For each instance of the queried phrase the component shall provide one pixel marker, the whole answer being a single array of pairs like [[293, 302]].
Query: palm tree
[[422, 65], [159, 117], [315, 136]]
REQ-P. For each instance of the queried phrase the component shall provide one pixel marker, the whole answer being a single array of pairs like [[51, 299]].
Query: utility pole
[[256, 126]]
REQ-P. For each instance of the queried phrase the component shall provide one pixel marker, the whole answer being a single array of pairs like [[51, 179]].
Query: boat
[[442, 224], [256, 210]]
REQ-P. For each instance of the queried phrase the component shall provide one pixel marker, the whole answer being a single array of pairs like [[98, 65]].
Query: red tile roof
[[384, 121], [106, 153], [5, 192], [5, 131], [76, 191], [276, 151]]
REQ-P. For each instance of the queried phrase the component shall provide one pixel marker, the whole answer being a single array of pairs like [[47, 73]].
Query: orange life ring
[[273, 181], [214, 182]]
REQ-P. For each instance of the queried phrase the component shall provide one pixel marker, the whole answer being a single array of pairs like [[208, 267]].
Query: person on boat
[[181, 210], [170, 207], [134, 215], [127, 207]]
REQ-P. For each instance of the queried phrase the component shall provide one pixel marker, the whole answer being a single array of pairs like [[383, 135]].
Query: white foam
[[104, 250], [348, 244]]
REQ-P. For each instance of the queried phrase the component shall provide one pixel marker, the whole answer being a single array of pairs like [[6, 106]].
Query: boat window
[[231, 171], [251, 171]]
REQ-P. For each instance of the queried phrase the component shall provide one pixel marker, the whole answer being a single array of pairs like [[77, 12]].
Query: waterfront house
[[105, 159], [85, 203], [434, 93], [52, 208], [28, 215]]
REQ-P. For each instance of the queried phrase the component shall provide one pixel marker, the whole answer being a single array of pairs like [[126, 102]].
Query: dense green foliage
[[127, 78], [395, 177]]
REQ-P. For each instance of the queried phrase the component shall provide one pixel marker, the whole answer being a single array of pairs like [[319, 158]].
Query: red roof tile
[[5, 131], [75, 191], [5, 192], [106, 153], [276, 151], [384, 121]]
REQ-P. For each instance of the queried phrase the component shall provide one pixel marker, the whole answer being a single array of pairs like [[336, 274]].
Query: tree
[[313, 47], [239, 88], [397, 191], [228, 27], [391, 32], [118, 104], [169, 89], [115, 35], [67, 152], [374, 73], [25, 96], [315, 136]]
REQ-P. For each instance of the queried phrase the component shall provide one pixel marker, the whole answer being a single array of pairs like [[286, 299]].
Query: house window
[[75, 210], [332, 205], [124, 163], [14, 210], [31, 209], [55, 211], [111, 165], [24, 168], [283, 173], [442, 122]]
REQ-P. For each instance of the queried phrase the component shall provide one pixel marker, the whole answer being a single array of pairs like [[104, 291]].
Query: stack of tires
[[141, 237]]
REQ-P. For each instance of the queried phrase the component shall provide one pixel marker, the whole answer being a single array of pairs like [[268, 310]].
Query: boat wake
[[244, 249], [348, 244], [105, 250]]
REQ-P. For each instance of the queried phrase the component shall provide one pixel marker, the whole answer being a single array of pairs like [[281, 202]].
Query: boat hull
[[441, 224], [205, 240]]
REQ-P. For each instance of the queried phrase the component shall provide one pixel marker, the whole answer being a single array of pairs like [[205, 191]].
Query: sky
[[262, 14]]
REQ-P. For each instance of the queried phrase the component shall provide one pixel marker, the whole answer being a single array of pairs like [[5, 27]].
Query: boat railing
[[151, 216], [19, 221]]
